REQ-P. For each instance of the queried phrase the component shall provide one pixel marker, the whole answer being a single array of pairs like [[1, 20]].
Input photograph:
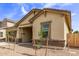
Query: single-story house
[[55, 23], [6, 23], [11, 34]]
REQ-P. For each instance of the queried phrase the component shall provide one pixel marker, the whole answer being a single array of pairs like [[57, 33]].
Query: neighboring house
[[3, 25], [11, 34], [56, 23]]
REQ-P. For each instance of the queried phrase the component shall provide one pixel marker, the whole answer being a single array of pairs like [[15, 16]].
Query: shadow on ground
[[6, 48], [52, 47], [29, 45], [25, 54]]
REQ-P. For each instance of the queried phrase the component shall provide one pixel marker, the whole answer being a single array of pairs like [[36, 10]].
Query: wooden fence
[[73, 40]]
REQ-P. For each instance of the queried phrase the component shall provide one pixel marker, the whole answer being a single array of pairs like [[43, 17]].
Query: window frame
[[1, 34], [49, 28]]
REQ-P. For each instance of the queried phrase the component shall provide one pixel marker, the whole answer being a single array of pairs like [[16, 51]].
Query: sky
[[16, 11]]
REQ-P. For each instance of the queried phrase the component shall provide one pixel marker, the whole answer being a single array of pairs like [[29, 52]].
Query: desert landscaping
[[40, 32], [11, 49]]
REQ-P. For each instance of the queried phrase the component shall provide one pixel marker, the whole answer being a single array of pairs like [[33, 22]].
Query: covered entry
[[25, 33]]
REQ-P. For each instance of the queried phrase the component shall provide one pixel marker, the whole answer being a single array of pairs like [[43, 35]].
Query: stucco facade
[[59, 25], [23, 33], [5, 24], [24, 28], [10, 24]]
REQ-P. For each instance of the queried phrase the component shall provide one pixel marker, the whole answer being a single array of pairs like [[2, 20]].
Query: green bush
[[76, 32]]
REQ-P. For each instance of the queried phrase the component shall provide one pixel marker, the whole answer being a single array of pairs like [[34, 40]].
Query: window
[[45, 29], [1, 34]]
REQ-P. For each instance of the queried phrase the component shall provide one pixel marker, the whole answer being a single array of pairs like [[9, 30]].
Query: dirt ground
[[25, 50]]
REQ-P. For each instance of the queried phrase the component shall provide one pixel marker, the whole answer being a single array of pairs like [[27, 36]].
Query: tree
[[38, 43]]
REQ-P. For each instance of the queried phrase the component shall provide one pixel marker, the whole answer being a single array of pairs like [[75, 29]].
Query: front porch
[[24, 34]]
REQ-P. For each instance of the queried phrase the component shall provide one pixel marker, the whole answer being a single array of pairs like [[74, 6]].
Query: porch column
[[21, 33], [17, 34], [65, 43]]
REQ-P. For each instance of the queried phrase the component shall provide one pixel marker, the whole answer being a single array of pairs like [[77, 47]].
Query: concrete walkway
[[3, 43]]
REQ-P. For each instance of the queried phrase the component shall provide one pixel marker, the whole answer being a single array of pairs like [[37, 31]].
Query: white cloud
[[66, 4], [48, 5], [22, 6], [23, 10], [73, 14]]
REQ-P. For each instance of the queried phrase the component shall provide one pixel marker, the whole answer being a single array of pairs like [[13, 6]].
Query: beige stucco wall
[[10, 24], [26, 20], [18, 33], [57, 26], [66, 31]]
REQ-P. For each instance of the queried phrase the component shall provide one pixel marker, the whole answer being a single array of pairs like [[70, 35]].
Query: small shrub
[[76, 32]]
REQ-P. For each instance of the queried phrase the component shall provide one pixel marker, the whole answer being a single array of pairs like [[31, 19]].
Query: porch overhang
[[25, 25], [9, 29]]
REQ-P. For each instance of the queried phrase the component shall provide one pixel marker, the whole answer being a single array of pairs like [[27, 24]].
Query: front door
[[27, 34]]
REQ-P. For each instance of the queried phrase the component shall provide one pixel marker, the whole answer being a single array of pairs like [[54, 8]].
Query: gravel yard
[[10, 49]]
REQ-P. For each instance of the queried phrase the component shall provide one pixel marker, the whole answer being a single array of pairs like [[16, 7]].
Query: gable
[[10, 24], [28, 16], [67, 15], [49, 17], [26, 20]]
